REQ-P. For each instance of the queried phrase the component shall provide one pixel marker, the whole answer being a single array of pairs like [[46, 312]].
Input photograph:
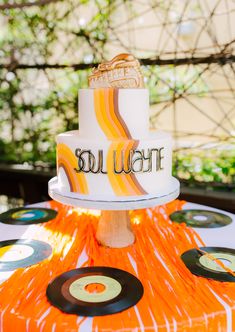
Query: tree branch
[[215, 58], [27, 4], [221, 59]]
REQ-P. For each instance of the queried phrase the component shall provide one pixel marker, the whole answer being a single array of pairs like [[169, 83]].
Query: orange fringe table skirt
[[174, 299]]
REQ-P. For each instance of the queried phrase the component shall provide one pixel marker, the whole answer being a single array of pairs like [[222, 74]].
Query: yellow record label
[[112, 288], [212, 265], [22, 213], [15, 252]]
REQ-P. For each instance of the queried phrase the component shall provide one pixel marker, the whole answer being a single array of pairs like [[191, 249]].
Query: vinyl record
[[201, 218], [116, 290], [203, 265], [22, 253], [27, 216]]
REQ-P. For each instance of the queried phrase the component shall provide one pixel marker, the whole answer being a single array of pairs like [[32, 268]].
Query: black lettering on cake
[[87, 162], [132, 161], [123, 164], [137, 163]]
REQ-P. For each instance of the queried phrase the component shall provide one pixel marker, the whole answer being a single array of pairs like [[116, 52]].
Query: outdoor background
[[186, 48]]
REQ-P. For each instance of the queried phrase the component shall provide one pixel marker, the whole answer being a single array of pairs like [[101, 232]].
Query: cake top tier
[[123, 71]]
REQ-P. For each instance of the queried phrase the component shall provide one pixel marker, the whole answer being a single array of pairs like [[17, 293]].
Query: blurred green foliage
[[208, 166], [28, 128], [38, 101]]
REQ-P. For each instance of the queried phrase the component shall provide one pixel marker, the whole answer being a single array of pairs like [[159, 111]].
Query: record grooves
[[68, 291], [201, 218], [203, 265], [27, 216]]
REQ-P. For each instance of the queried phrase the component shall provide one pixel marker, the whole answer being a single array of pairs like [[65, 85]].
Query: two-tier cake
[[114, 156]]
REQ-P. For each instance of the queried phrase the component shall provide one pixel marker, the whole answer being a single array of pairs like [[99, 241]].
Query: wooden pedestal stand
[[114, 228]]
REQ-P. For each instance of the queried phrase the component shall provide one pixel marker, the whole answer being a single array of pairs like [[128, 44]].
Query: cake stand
[[114, 227]]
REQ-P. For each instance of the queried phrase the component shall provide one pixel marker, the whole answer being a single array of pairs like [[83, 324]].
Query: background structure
[[47, 48]]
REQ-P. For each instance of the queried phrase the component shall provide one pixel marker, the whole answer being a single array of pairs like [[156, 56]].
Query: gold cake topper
[[123, 71]]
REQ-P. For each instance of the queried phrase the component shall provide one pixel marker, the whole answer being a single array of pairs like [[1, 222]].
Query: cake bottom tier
[[114, 169]]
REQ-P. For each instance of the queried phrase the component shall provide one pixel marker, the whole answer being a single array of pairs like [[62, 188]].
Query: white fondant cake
[[114, 155]]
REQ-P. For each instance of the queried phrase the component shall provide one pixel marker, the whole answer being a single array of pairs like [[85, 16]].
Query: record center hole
[[95, 288], [224, 261], [200, 218]]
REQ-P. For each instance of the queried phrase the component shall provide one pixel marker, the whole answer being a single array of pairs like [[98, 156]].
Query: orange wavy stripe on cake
[[119, 180], [103, 105], [72, 185], [82, 186], [100, 111], [113, 124], [133, 176], [109, 119], [66, 156], [104, 112], [133, 190], [118, 117], [63, 162], [71, 176], [116, 184], [121, 183], [134, 183], [129, 181], [121, 128], [125, 179]]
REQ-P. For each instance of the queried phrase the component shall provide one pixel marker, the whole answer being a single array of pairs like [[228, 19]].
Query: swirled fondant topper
[[123, 71]]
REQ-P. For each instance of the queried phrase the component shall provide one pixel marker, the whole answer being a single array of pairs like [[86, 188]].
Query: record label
[[20, 253], [204, 265], [119, 290], [227, 259], [201, 218], [111, 289], [27, 216], [15, 252]]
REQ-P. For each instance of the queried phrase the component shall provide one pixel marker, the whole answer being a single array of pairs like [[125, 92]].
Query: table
[[174, 299]]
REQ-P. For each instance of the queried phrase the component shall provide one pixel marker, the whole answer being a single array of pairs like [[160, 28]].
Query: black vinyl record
[[201, 218], [69, 293], [27, 216], [20, 253], [203, 265]]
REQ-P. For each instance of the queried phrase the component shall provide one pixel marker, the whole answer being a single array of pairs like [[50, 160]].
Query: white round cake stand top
[[127, 203]]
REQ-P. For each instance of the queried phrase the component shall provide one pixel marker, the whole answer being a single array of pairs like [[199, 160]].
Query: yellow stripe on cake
[[116, 121], [101, 113], [123, 184], [113, 178], [67, 160], [115, 128]]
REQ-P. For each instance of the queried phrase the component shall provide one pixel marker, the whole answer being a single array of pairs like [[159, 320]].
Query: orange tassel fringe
[[174, 299]]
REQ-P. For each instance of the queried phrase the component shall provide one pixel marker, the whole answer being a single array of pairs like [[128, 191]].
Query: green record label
[[209, 263], [112, 288]]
